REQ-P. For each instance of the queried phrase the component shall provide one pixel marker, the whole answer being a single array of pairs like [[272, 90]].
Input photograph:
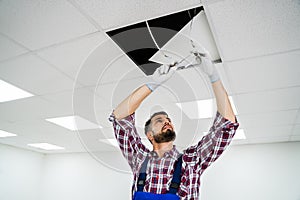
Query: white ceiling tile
[[120, 68], [269, 72], [298, 118], [38, 129], [122, 13], [94, 116], [90, 141], [70, 144], [108, 133], [114, 93], [82, 102], [185, 85], [22, 141], [267, 131], [252, 28], [177, 89], [274, 139], [36, 24], [296, 130], [265, 87], [142, 114], [107, 63], [83, 141], [41, 131], [225, 78], [268, 101], [286, 117], [189, 85], [69, 56], [191, 132], [76, 100], [9, 48], [34, 75], [5, 124], [295, 138], [19, 141], [102, 117], [27, 109]]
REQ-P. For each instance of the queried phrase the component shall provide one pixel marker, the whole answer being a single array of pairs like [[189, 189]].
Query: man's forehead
[[159, 116]]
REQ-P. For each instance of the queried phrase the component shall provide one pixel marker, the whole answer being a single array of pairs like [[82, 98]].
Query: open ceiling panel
[[172, 34]]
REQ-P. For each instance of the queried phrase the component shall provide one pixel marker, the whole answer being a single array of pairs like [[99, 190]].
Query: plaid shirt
[[159, 170]]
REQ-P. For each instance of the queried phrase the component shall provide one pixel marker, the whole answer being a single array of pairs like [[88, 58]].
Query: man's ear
[[150, 135]]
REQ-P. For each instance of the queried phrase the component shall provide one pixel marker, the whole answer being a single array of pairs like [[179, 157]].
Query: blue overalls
[[170, 195]]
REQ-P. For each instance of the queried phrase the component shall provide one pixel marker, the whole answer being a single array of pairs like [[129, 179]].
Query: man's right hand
[[160, 76]]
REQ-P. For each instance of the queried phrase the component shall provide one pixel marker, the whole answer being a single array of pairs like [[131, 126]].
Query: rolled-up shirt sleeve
[[213, 144], [128, 139]]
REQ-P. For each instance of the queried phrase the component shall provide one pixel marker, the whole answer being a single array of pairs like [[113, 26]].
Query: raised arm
[[123, 118], [213, 144], [208, 67], [133, 101], [223, 103]]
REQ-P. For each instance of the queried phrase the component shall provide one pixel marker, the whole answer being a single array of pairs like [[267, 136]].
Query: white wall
[[79, 177], [260, 172], [20, 173]]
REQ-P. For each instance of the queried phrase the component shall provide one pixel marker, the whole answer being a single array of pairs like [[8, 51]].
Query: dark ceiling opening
[[136, 41]]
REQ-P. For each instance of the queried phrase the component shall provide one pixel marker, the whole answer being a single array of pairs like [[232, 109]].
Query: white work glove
[[206, 65], [161, 75]]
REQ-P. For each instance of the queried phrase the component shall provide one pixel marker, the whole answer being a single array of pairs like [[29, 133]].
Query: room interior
[[62, 58]]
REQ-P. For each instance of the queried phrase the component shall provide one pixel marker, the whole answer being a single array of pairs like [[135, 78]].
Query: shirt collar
[[173, 153]]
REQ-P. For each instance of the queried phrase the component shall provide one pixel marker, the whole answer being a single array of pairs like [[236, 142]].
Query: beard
[[166, 136]]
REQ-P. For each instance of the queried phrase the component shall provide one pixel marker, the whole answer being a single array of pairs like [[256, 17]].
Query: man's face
[[162, 129]]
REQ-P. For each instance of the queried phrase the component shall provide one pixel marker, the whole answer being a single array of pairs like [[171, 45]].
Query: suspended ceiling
[[60, 52]]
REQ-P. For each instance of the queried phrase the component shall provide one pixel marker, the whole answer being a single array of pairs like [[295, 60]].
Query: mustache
[[167, 125]]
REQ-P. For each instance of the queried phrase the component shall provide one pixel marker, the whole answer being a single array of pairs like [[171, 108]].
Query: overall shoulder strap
[[176, 176], [142, 176]]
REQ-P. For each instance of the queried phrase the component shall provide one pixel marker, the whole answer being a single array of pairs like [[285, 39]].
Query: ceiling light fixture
[[197, 109], [46, 146], [6, 134], [10, 92], [205, 108], [74, 123]]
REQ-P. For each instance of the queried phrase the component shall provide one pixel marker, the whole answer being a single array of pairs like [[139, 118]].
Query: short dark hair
[[148, 122]]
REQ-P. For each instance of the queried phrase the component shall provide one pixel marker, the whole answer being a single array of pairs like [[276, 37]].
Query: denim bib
[[170, 195], [151, 196]]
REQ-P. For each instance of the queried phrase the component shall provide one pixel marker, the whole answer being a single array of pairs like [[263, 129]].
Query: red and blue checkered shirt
[[159, 170]]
